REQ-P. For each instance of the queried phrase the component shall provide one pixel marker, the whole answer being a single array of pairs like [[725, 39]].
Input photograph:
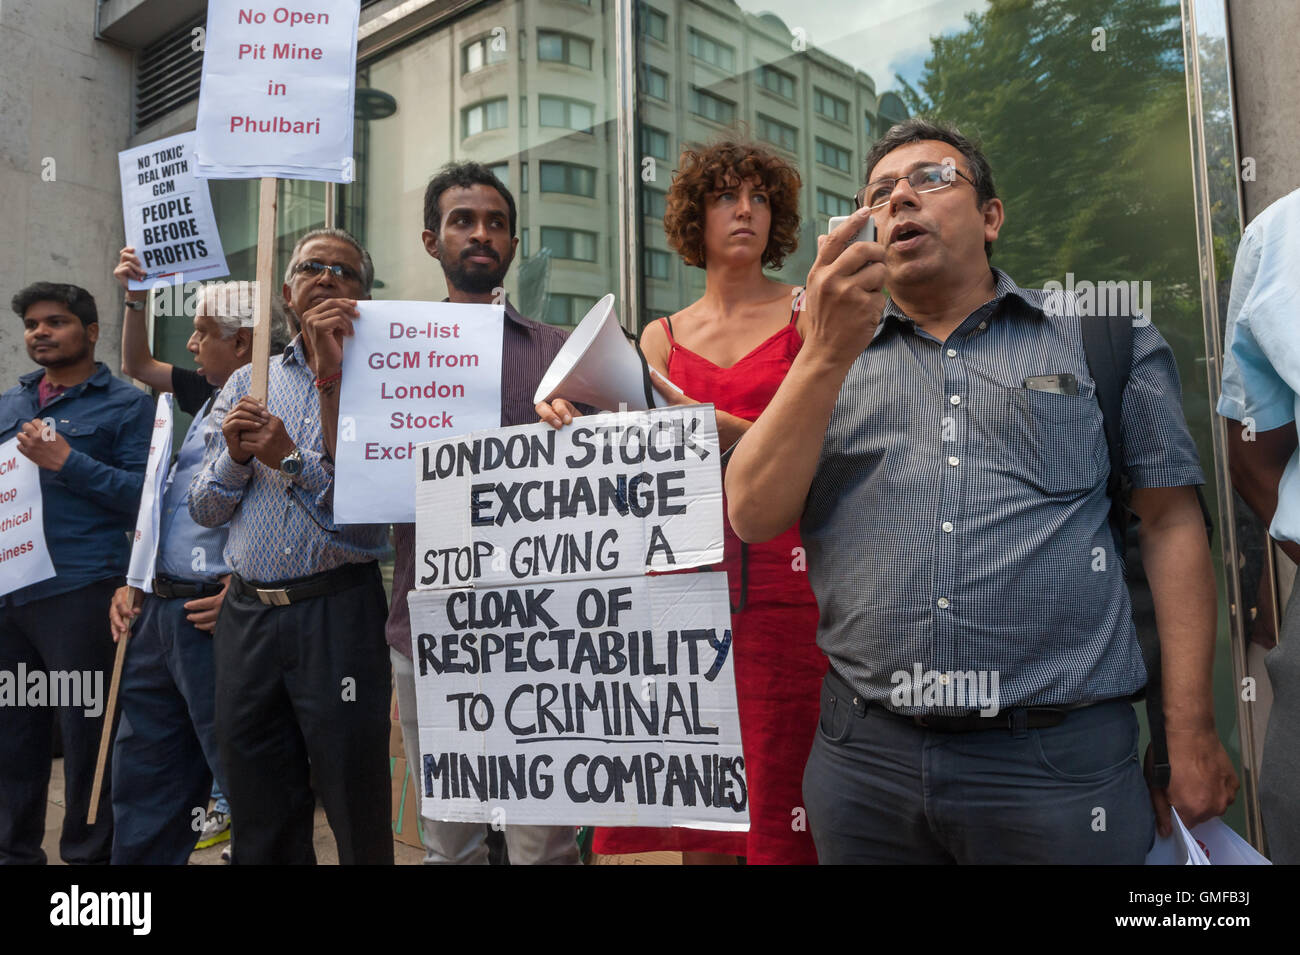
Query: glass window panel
[[656, 82], [712, 107], [778, 133], [654, 142], [654, 24], [711, 51], [831, 106], [569, 178], [830, 204], [396, 156], [776, 81], [833, 156], [654, 202], [550, 46], [658, 264]]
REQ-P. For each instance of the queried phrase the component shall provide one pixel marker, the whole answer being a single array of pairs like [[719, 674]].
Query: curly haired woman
[[733, 209]]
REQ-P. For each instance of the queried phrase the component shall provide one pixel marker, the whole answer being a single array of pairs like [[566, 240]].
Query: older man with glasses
[[302, 667], [948, 461]]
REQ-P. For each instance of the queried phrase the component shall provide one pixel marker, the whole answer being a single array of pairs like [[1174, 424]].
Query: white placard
[[278, 85], [144, 542], [594, 702], [412, 372], [168, 214], [24, 558], [609, 495]]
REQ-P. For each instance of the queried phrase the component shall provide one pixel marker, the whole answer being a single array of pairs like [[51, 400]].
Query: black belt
[[169, 588], [281, 593], [1026, 717]]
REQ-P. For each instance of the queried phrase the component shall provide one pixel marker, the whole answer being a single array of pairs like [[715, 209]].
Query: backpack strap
[[1108, 347]]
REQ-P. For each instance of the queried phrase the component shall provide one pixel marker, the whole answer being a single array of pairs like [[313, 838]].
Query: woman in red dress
[[733, 209]]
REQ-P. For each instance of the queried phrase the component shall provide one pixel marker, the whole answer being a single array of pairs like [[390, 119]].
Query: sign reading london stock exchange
[[556, 682]]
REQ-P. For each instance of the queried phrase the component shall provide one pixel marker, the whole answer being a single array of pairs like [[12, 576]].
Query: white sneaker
[[216, 828]]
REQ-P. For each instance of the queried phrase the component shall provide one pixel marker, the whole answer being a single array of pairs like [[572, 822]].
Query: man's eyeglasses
[[316, 268], [928, 178]]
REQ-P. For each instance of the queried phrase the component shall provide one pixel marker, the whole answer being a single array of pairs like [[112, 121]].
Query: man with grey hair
[[165, 757], [302, 673]]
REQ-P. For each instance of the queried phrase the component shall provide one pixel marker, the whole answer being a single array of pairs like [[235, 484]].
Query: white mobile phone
[[868, 233]]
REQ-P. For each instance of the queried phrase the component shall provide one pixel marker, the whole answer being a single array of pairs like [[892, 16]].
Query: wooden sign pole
[[265, 286], [106, 734]]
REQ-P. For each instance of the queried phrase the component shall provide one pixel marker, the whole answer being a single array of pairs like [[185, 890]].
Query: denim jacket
[[90, 504]]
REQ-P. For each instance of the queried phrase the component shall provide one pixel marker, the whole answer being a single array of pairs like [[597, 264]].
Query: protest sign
[[168, 214], [592, 702], [277, 90], [24, 558], [609, 495], [412, 372], [144, 542]]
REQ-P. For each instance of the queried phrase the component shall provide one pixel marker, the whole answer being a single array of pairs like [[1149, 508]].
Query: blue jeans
[[879, 789], [165, 759]]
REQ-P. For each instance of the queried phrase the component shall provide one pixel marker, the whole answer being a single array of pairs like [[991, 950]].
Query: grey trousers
[[880, 790], [465, 843], [1279, 774]]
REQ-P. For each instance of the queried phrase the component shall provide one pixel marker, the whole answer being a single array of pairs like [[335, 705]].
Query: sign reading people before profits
[[610, 495], [278, 85], [605, 701], [168, 214], [148, 521], [24, 558], [412, 372]]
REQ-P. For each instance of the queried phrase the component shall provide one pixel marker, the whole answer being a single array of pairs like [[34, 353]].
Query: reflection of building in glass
[[708, 64], [527, 87]]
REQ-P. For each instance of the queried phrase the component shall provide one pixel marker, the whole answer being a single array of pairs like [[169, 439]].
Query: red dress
[[779, 669]]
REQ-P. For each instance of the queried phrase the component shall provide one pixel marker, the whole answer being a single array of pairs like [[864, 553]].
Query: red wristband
[[329, 379]]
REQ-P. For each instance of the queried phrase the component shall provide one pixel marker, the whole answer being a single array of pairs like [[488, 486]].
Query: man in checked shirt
[[302, 674], [470, 223], [953, 504]]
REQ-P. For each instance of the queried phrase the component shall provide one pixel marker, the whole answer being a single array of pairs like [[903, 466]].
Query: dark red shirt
[[527, 349]]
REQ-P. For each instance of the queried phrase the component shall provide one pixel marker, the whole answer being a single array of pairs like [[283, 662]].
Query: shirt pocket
[[9, 425], [1053, 442], [86, 437]]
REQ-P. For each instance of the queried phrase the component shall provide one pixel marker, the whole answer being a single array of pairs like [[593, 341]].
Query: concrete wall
[[66, 97], [1266, 74]]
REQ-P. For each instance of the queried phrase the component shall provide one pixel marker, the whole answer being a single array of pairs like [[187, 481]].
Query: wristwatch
[[134, 306], [291, 464]]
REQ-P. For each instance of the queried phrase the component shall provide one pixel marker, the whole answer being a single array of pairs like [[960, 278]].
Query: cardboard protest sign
[[412, 372], [609, 495], [277, 91], [148, 521], [168, 214], [592, 702], [24, 558]]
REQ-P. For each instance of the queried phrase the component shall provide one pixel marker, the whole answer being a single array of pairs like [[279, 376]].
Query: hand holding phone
[[867, 233]]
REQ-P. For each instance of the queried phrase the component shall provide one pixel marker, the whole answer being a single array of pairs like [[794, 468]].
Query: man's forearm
[[773, 467], [1176, 559]]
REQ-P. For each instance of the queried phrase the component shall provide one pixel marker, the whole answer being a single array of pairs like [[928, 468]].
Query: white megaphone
[[598, 366]]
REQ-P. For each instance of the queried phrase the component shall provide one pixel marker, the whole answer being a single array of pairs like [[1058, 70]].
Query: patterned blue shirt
[[281, 528], [957, 521], [187, 550]]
